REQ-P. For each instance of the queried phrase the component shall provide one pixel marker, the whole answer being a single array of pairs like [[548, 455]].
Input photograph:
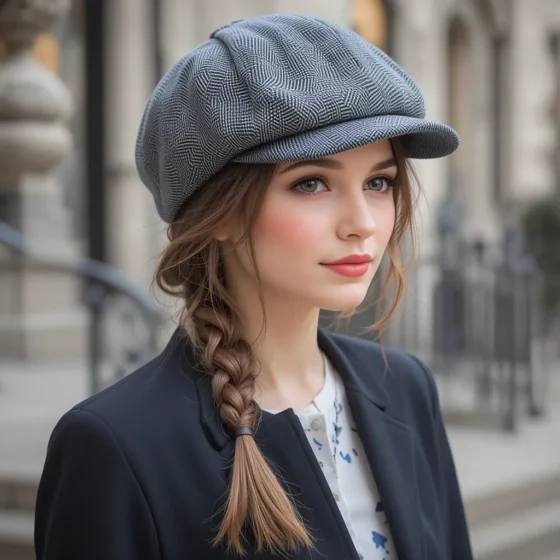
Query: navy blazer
[[139, 470]]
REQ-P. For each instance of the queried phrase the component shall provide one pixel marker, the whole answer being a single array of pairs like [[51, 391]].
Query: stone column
[[532, 129], [39, 310], [183, 25], [337, 11], [134, 238]]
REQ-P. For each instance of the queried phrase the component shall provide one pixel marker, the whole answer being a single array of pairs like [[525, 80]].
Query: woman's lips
[[352, 266], [354, 270]]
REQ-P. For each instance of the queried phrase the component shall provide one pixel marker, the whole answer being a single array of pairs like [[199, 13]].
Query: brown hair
[[191, 268]]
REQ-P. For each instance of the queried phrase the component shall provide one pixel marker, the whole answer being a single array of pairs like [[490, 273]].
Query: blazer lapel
[[388, 443], [283, 442]]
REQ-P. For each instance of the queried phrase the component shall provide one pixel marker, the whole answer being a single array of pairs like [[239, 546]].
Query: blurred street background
[[79, 237]]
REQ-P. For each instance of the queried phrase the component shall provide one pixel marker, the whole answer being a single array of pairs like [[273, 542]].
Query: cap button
[[216, 31]]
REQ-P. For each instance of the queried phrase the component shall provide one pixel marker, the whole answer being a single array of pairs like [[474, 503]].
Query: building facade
[[490, 68]]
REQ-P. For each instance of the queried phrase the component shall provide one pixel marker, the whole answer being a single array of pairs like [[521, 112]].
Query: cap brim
[[420, 138]]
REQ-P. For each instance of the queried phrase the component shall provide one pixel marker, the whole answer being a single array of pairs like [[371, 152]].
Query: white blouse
[[330, 429]]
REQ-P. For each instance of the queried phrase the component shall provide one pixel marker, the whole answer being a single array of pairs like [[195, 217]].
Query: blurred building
[[490, 68]]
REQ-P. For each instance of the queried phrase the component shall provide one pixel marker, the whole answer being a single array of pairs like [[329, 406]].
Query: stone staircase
[[512, 523], [510, 482], [519, 522]]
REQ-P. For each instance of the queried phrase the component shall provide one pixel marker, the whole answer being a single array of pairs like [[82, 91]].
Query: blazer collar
[[354, 362], [180, 356], [362, 370]]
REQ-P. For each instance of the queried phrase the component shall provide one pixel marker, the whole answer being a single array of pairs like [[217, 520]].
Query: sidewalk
[[489, 459]]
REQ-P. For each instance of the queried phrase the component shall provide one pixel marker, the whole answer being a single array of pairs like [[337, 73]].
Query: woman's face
[[314, 214]]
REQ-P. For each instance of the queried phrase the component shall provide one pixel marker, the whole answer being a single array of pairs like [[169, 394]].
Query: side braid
[[230, 358], [255, 497]]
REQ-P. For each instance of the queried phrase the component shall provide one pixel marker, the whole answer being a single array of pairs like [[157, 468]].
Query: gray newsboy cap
[[271, 89]]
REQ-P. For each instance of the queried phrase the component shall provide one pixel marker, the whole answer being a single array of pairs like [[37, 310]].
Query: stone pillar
[[181, 20], [337, 11], [419, 45], [39, 310], [134, 238], [532, 129]]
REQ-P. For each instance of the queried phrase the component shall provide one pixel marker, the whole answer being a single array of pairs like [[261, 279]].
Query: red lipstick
[[351, 266]]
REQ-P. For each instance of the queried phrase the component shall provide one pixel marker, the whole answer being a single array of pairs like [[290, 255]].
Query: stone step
[[17, 494], [531, 533], [501, 503], [513, 523], [16, 535], [518, 521]]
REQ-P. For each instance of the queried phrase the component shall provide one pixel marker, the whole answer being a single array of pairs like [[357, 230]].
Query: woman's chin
[[340, 299]]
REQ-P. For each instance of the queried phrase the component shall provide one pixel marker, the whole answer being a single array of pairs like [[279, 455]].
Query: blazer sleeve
[[458, 540], [89, 503]]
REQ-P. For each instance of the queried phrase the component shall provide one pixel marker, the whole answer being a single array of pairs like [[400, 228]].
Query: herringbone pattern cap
[[276, 88]]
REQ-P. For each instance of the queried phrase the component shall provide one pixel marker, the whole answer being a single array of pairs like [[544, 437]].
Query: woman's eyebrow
[[385, 164], [330, 163]]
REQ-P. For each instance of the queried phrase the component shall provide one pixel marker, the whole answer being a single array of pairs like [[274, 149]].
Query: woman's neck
[[291, 368]]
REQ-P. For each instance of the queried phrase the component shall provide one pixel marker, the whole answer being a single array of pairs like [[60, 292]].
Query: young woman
[[278, 153]]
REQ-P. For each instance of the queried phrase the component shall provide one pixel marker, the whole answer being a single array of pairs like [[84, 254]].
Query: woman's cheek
[[287, 228], [385, 221]]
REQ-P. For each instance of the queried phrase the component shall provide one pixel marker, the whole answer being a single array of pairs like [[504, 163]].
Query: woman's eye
[[310, 186], [380, 184]]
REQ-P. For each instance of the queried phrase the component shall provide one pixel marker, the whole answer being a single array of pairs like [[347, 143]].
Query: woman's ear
[[224, 232]]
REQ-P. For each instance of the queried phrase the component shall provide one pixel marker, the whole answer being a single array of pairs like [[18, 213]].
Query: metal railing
[[109, 297], [487, 333], [481, 327]]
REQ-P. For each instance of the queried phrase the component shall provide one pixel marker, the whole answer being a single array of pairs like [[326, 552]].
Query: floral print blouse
[[330, 430]]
